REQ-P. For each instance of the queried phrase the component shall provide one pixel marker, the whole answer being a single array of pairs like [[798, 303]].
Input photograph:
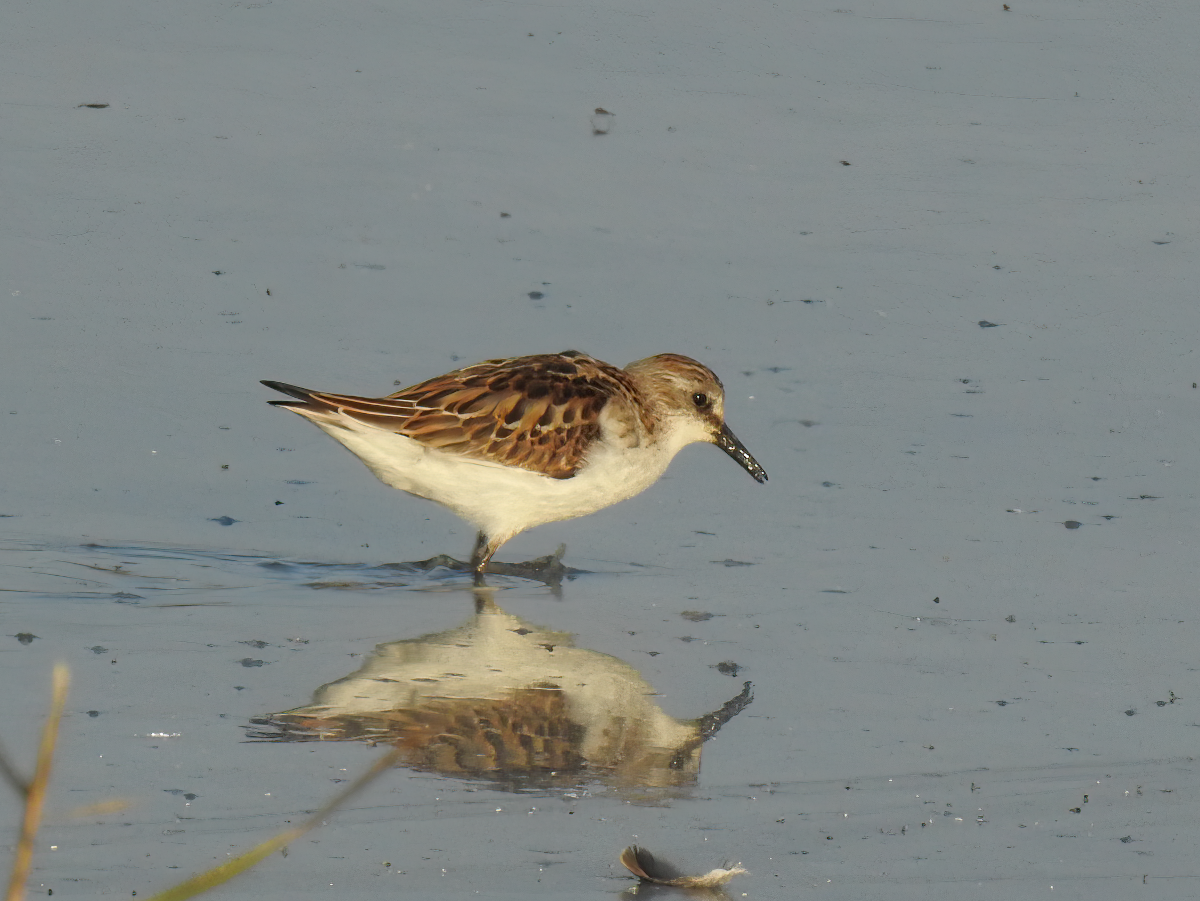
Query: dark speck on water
[[1072, 524], [223, 520], [26, 637], [983, 323]]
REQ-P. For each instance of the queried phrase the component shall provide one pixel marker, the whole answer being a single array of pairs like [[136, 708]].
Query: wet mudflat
[[943, 260], [220, 697]]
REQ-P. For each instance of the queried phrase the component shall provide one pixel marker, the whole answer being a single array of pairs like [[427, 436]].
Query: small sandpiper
[[512, 444]]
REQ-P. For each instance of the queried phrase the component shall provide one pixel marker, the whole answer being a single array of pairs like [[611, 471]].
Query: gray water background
[[981, 329]]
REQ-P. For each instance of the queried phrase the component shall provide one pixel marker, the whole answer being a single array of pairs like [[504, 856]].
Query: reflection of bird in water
[[511, 444], [499, 699]]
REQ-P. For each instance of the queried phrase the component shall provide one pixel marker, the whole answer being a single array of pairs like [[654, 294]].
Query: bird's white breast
[[503, 500]]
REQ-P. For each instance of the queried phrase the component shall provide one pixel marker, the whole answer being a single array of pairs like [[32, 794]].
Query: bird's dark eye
[[700, 400]]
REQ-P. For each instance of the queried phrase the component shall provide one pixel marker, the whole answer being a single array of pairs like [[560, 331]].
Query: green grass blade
[[226, 871]]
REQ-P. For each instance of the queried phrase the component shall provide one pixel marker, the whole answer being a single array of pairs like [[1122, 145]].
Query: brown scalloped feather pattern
[[539, 413]]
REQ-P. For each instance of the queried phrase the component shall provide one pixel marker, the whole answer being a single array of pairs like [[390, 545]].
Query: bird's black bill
[[728, 442]]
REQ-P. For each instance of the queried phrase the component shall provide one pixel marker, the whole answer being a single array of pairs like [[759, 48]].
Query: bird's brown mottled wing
[[539, 412]]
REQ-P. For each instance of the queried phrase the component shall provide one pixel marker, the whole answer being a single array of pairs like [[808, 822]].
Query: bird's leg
[[480, 557], [478, 560]]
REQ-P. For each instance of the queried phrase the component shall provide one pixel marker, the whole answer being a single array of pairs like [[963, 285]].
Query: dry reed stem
[[35, 796]]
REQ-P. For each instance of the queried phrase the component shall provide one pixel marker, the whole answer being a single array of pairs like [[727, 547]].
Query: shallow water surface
[[219, 696], [943, 258]]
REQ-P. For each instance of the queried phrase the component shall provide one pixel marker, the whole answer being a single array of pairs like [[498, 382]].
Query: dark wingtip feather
[[290, 390]]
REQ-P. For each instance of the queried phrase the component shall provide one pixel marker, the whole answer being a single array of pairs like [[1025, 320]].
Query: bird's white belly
[[501, 500]]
